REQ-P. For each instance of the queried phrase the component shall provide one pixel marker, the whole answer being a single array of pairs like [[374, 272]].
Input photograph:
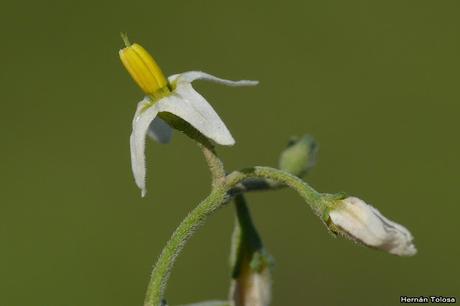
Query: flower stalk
[[251, 264], [164, 264], [194, 220]]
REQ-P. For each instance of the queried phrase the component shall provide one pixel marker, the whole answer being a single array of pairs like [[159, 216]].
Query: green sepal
[[247, 247], [261, 260]]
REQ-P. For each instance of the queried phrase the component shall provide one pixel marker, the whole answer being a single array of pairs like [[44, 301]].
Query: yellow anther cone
[[143, 69]]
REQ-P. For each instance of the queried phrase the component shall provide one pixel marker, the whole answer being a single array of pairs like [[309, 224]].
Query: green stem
[[175, 245], [315, 199], [189, 225], [215, 165], [214, 201]]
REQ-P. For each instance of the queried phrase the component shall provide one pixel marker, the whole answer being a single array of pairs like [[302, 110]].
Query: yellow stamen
[[143, 69]]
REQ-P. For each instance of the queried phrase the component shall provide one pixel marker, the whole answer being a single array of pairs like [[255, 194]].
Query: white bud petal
[[366, 224], [252, 288]]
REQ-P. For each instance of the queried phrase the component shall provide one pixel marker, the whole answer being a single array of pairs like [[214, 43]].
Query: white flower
[[175, 96], [366, 224], [185, 103]]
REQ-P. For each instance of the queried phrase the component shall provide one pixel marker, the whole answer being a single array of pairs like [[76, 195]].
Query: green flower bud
[[299, 156]]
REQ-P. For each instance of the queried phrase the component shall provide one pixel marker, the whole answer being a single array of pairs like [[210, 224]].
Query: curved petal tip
[[191, 76], [225, 140]]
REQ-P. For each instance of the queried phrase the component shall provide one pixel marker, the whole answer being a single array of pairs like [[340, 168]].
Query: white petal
[[398, 240], [160, 131], [366, 224], [141, 122], [191, 76], [189, 105]]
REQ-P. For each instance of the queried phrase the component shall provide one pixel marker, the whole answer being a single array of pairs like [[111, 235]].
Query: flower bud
[[252, 286], [251, 263], [299, 156], [143, 69], [363, 223]]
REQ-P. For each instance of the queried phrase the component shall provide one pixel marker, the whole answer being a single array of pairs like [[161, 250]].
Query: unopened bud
[[363, 223], [251, 263], [252, 286], [299, 156]]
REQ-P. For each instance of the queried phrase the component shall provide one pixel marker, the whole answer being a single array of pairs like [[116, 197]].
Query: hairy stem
[[214, 201], [215, 165], [251, 185], [182, 234], [310, 195]]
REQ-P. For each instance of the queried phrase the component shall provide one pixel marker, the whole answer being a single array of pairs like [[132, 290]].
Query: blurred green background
[[376, 83]]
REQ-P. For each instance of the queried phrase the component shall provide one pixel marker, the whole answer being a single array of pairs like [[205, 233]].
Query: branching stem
[[221, 186]]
